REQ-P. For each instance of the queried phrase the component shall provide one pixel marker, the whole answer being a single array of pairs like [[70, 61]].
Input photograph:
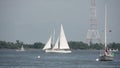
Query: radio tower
[[93, 30]]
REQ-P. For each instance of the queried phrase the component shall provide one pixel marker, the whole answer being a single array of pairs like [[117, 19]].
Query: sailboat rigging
[[61, 45], [107, 55]]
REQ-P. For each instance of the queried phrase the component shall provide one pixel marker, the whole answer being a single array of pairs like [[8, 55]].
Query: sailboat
[[21, 49], [61, 45], [107, 55]]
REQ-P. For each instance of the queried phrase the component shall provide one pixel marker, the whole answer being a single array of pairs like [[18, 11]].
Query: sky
[[34, 20]]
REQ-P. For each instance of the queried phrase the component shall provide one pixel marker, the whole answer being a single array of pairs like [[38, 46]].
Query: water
[[40, 59]]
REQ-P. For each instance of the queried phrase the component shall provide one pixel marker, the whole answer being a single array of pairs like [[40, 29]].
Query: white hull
[[59, 51], [20, 50], [106, 58]]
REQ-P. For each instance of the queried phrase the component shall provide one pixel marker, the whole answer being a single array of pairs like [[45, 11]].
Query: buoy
[[38, 57], [97, 59]]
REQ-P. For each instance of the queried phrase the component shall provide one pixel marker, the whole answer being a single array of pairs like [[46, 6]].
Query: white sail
[[22, 48], [53, 37], [48, 44], [63, 41], [61, 44], [56, 44]]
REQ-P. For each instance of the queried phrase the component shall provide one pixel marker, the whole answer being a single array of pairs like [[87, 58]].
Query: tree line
[[72, 44]]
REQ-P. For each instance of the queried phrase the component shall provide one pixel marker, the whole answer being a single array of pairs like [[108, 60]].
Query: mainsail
[[56, 44], [63, 41], [22, 48]]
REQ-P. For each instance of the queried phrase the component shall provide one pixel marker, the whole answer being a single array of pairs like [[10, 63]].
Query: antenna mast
[[93, 30], [105, 26]]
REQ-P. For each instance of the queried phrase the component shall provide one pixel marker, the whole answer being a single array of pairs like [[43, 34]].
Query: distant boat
[[21, 49], [107, 55], [113, 50], [61, 45]]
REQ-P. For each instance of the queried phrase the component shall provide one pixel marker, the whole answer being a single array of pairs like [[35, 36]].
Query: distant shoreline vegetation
[[72, 44]]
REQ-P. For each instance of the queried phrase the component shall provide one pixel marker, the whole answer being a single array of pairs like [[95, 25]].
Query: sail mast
[[105, 26]]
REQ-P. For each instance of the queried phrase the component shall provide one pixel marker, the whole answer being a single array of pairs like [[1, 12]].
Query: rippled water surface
[[76, 59]]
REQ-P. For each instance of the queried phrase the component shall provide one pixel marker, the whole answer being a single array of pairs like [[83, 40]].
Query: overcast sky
[[34, 20]]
